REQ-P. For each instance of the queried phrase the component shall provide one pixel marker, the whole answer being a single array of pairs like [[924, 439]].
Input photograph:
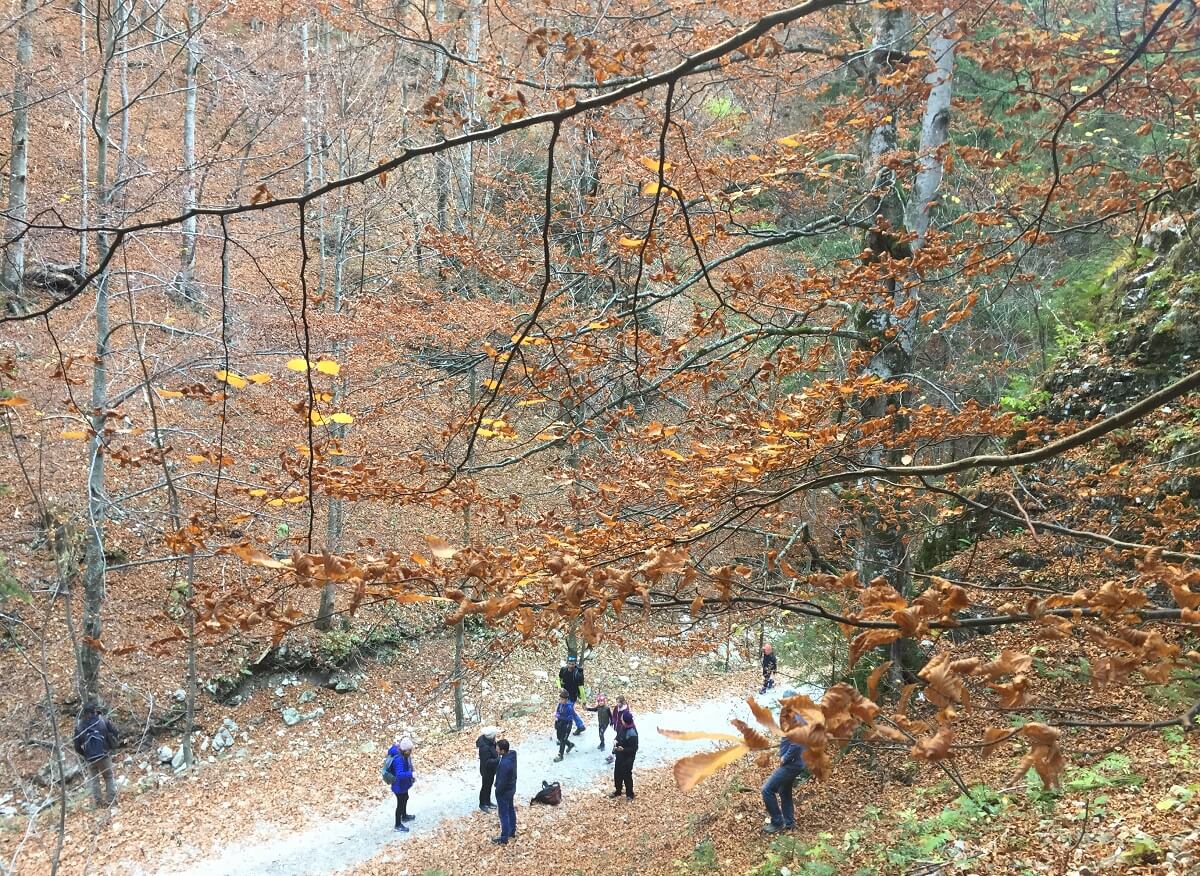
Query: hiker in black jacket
[[603, 717], [571, 679], [489, 758], [769, 665], [625, 749], [95, 739]]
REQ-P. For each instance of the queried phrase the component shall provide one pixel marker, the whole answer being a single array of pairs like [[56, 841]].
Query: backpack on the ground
[[94, 743], [551, 794], [388, 773]]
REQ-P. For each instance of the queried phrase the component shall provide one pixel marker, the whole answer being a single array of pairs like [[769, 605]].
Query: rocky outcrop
[[1152, 334]]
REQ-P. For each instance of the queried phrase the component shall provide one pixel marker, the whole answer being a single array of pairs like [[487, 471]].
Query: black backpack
[[551, 794], [93, 740]]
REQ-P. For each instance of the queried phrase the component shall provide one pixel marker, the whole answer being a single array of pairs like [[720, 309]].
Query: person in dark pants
[[489, 758], [402, 768], [777, 790], [625, 751], [571, 679], [769, 666], [506, 789], [95, 739], [603, 717], [562, 724]]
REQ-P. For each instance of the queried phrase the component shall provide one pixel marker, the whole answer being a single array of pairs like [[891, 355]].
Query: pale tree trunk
[[85, 181], [935, 127], [441, 161], [465, 166], [185, 280], [12, 259], [460, 627], [94, 560]]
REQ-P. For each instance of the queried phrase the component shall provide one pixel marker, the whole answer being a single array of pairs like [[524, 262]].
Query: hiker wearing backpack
[[562, 724], [603, 717], [625, 749], [506, 789], [400, 767], [489, 759], [95, 739], [571, 679], [777, 790]]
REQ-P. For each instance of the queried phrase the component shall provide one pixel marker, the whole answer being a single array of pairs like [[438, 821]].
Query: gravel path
[[440, 795]]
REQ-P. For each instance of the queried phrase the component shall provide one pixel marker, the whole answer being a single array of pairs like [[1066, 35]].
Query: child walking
[[564, 717], [603, 716]]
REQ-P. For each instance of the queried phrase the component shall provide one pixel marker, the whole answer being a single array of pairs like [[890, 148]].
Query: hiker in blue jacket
[[563, 716], [402, 769], [777, 791], [506, 788]]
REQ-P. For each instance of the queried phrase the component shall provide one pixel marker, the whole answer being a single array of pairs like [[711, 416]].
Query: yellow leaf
[[328, 366], [297, 364], [232, 378], [15, 402], [652, 164], [168, 393], [790, 141], [275, 503], [258, 492], [686, 735], [343, 418], [440, 548], [196, 457], [546, 436], [74, 435], [485, 433], [530, 402], [631, 242], [295, 500], [316, 418], [690, 771], [259, 378], [651, 189]]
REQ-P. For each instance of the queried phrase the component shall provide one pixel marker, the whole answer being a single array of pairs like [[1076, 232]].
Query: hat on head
[[563, 695], [490, 732], [600, 698], [571, 658], [405, 744]]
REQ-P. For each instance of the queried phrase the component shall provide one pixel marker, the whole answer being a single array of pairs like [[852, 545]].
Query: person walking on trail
[[95, 739], [621, 706], [777, 790], [603, 717], [506, 789], [562, 724], [571, 679], [401, 768], [489, 758], [769, 665], [624, 750]]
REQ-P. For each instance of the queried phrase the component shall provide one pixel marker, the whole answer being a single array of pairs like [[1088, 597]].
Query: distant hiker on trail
[[571, 679], [769, 665], [95, 739], [401, 768], [562, 724], [603, 717], [625, 749], [777, 790], [506, 788], [489, 758]]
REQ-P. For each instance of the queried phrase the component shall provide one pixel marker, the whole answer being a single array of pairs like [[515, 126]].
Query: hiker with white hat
[[400, 768], [489, 758]]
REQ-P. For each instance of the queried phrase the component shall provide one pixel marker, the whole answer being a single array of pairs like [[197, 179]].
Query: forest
[[814, 387]]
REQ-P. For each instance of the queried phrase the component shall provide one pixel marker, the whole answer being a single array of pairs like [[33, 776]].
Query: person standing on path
[[625, 750], [562, 724], [489, 758], [95, 739], [777, 790], [402, 769], [571, 679], [506, 789], [769, 665], [603, 717]]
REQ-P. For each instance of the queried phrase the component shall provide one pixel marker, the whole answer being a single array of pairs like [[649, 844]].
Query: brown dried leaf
[[690, 771]]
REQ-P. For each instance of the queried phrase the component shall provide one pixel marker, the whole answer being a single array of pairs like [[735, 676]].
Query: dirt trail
[[440, 795]]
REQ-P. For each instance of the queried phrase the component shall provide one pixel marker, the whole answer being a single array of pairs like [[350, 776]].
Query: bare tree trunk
[[935, 127], [12, 259], [84, 125], [185, 280]]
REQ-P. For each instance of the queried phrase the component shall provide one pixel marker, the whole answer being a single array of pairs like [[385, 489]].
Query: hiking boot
[[401, 828], [789, 825], [600, 747], [486, 807], [772, 828], [500, 840], [609, 759], [579, 730], [615, 794], [557, 759], [409, 818], [630, 795], [571, 746]]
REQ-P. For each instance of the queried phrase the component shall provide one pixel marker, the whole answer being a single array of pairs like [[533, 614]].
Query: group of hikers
[[618, 716]]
